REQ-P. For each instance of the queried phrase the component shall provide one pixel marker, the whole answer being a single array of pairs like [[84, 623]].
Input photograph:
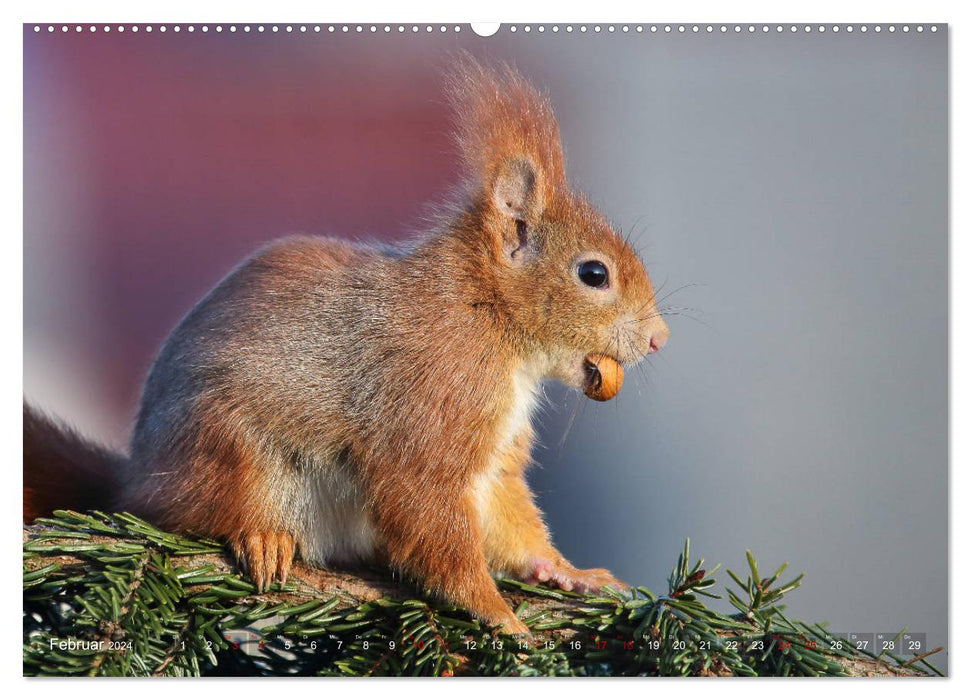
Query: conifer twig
[[109, 594]]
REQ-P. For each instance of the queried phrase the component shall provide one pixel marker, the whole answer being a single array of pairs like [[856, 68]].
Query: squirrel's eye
[[592, 273]]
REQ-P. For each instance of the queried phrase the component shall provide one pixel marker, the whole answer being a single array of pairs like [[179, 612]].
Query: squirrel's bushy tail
[[62, 470]]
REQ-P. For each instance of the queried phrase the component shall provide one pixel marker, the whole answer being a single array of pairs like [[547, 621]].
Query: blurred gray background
[[788, 190]]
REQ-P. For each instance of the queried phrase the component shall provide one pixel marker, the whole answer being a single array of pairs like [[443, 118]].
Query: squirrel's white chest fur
[[525, 396], [328, 506]]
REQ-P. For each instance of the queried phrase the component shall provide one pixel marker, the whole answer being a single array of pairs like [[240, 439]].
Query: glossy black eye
[[592, 273]]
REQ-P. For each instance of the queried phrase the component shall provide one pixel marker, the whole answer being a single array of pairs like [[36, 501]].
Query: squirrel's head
[[562, 279]]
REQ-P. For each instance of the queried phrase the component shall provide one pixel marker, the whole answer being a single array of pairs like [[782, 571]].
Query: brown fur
[[345, 401], [65, 470], [513, 527]]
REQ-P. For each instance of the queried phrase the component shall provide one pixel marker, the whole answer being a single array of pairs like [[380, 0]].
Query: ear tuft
[[507, 136]]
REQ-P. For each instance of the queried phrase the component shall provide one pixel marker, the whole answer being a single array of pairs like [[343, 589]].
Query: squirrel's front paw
[[267, 556], [569, 578]]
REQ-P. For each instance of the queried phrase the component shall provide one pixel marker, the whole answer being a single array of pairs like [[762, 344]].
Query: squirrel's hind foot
[[266, 556]]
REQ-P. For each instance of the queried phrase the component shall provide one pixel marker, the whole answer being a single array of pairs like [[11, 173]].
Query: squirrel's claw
[[267, 556], [515, 627]]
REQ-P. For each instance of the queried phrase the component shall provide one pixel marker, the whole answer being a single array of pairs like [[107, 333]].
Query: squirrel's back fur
[[311, 357]]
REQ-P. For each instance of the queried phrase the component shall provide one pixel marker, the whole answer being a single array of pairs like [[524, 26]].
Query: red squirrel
[[350, 402]]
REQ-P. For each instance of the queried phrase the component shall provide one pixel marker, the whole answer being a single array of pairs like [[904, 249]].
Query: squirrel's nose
[[658, 338]]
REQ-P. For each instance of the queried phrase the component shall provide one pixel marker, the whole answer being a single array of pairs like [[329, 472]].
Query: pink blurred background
[[154, 163]]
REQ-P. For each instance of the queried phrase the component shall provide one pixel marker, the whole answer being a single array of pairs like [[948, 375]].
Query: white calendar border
[[434, 12]]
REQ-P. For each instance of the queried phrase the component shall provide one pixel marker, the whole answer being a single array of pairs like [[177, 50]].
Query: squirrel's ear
[[514, 191], [514, 196], [508, 139]]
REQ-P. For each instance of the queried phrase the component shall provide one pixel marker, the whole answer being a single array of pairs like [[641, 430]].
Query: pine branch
[[111, 595]]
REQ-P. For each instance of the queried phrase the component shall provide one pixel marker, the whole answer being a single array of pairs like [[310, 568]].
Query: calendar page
[[519, 349]]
